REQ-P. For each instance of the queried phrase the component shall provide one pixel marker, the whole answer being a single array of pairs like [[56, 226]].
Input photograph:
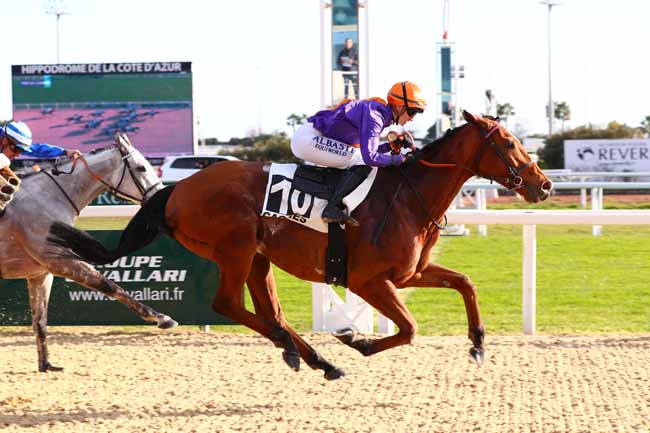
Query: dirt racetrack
[[188, 381]]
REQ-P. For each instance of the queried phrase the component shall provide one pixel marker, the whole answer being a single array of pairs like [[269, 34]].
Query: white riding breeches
[[310, 145]]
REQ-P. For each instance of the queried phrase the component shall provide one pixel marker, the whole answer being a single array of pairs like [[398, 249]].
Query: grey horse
[[59, 194]]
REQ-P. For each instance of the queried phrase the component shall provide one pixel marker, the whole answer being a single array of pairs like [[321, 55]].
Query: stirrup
[[341, 218]]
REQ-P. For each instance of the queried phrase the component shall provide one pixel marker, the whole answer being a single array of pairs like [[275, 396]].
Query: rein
[[515, 174], [115, 190], [514, 178], [65, 194]]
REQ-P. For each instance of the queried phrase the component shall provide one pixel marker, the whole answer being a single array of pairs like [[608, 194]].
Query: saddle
[[317, 181], [299, 193]]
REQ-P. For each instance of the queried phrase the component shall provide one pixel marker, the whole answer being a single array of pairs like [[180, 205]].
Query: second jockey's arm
[[44, 150]]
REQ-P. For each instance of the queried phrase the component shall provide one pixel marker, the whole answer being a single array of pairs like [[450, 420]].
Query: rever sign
[[607, 155]]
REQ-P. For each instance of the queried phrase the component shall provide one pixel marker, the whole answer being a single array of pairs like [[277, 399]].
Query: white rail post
[[481, 204], [597, 205], [319, 303], [529, 272], [583, 198]]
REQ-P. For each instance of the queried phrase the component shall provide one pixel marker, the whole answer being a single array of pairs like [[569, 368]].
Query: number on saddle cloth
[[317, 181]]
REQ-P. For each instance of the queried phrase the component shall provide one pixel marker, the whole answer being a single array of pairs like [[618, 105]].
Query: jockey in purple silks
[[347, 137]]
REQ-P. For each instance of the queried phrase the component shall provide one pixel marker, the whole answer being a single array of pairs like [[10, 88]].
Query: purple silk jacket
[[359, 123]]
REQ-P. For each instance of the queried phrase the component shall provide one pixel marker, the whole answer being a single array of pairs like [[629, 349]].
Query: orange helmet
[[407, 94]]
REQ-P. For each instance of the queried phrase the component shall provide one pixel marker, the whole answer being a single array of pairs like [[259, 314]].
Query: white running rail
[[353, 315]]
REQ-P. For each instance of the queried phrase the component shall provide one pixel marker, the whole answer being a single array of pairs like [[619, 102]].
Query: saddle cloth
[[283, 201]]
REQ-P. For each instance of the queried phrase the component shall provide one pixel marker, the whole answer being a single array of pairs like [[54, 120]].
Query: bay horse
[[216, 214], [59, 194]]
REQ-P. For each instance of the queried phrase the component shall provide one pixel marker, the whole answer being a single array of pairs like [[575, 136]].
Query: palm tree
[[645, 125], [505, 110], [295, 120], [562, 112]]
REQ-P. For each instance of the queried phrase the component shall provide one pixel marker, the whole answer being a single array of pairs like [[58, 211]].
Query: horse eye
[[510, 145], [141, 168]]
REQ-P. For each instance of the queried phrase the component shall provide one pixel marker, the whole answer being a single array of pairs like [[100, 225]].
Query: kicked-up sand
[[189, 381]]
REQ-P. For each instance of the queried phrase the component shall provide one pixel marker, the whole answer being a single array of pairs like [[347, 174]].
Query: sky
[[255, 62]]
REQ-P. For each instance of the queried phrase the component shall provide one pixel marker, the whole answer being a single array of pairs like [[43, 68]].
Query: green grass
[[612, 202], [585, 284]]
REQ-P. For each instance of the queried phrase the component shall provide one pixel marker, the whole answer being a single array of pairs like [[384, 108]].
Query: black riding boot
[[349, 180]]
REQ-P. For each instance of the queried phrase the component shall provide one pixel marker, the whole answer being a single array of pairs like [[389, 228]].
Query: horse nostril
[[547, 185]]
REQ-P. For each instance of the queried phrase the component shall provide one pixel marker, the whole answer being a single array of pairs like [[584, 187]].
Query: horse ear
[[122, 140], [125, 139], [469, 117]]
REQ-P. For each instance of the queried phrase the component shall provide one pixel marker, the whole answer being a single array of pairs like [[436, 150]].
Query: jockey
[[347, 136], [16, 139]]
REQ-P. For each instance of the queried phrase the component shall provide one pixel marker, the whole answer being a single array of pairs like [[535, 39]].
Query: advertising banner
[[163, 275], [81, 106], [607, 155]]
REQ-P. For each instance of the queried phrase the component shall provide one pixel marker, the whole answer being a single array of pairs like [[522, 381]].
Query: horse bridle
[[126, 167], [515, 174], [115, 190], [514, 177]]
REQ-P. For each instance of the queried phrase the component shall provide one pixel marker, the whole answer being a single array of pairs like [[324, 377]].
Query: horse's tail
[[143, 228]]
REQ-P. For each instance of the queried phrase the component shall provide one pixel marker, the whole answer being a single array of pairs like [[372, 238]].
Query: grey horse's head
[[138, 181]]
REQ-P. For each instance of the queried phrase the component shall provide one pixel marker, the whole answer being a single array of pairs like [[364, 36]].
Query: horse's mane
[[432, 148]]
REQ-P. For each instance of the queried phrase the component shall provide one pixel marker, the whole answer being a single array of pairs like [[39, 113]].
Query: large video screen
[[81, 106]]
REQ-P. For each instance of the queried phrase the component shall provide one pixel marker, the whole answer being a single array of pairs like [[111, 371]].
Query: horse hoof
[[167, 322], [334, 374], [345, 335], [49, 367], [292, 360], [477, 355]]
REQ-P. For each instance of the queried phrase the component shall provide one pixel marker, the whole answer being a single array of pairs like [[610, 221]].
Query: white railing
[[597, 188], [340, 316], [359, 314]]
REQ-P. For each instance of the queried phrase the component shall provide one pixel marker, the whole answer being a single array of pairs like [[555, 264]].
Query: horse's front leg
[[39, 297], [89, 277], [382, 295], [438, 276]]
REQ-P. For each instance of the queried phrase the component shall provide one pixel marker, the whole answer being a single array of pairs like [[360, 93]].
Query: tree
[[295, 120], [274, 147], [505, 110], [562, 112], [645, 125], [552, 154]]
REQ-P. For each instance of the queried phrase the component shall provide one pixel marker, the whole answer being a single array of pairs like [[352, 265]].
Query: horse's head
[[137, 181], [501, 157]]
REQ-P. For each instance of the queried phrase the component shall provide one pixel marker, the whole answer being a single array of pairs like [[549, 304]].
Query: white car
[[175, 168]]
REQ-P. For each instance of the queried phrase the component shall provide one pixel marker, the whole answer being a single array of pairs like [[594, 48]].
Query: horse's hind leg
[[39, 297], [235, 265], [89, 277], [261, 285]]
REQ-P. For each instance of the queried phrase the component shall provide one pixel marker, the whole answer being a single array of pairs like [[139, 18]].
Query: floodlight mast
[[550, 110], [56, 7]]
